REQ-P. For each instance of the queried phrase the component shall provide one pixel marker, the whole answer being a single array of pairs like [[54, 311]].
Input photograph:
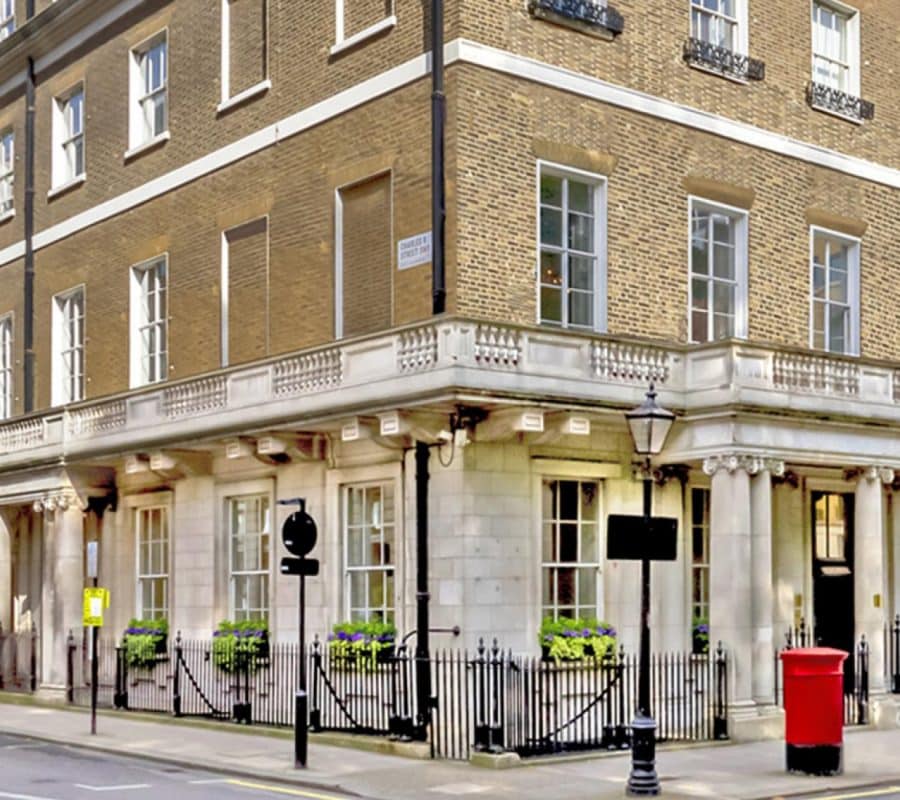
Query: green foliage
[[240, 645], [700, 635], [359, 644], [142, 640], [567, 639]]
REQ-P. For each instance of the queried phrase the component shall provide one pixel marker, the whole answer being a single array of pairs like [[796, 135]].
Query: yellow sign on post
[[95, 601]]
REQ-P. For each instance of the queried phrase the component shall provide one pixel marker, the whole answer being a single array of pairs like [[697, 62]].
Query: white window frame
[[853, 287], [600, 185], [138, 137], [7, 356], [63, 174], [262, 573], [7, 173], [741, 266], [852, 16], [141, 577], [227, 100], [137, 324], [344, 42], [66, 386], [553, 609], [7, 18], [703, 566], [389, 609], [741, 35]]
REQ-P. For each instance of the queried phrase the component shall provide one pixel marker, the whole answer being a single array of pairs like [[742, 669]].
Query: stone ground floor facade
[[783, 480]]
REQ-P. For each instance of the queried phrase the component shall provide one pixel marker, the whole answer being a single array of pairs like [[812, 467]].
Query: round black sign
[[299, 533]]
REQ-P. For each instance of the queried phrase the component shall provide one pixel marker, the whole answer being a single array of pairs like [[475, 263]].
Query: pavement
[[257, 755]]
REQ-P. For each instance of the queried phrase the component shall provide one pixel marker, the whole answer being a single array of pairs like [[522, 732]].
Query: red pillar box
[[814, 709]]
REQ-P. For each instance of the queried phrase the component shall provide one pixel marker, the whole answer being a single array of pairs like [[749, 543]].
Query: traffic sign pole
[[95, 673]]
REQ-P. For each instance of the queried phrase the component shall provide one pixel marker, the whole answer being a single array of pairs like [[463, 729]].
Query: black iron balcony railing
[[722, 60], [826, 98], [593, 13]]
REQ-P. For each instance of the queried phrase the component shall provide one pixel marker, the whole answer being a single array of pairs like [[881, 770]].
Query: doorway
[[833, 607]]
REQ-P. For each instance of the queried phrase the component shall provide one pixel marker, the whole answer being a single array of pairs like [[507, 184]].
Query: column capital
[[57, 501], [751, 463], [871, 474]]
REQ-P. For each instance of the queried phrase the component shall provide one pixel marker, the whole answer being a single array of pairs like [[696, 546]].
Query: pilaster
[[869, 568], [7, 521]]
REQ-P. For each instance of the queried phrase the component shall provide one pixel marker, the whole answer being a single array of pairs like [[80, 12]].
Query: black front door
[[832, 541]]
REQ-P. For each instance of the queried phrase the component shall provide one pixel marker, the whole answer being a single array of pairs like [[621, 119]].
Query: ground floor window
[[369, 536], [152, 530], [570, 561], [249, 533]]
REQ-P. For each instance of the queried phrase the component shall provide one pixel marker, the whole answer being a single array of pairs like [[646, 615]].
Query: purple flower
[[217, 634], [611, 632], [343, 636], [703, 629], [356, 637], [586, 632], [548, 638], [571, 634]]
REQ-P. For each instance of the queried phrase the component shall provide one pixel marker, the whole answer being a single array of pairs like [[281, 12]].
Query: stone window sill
[[373, 30], [68, 186], [6, 216], [242, 97], [144, 147]]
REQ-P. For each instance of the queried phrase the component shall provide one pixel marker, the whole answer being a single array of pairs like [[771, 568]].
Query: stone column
[[730, 572], [63, 585], [762, 581], [6, 587], [870, 560]]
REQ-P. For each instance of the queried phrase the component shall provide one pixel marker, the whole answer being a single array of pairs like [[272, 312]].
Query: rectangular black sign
[[300, 566], [628, 538]]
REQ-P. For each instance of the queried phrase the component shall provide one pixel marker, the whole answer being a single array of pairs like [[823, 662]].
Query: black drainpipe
[[424, 700], [29, 234], [29, 9]]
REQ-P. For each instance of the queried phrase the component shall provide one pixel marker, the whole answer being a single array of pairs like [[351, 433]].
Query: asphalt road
[[31, 770]]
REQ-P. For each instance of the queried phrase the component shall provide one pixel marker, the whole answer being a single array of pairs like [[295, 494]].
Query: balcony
[[384, 376], [723, 61], [834, 101], [593, 17]]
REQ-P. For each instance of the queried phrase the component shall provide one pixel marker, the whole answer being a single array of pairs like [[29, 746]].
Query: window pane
[[580, 309], [551, 227], [551, 190], [699, 326], [551, 305], [548, 542], [580, 197], [581, 233], [581, 273], [587, 590], [723, 261], [551, 268], [723, 298]]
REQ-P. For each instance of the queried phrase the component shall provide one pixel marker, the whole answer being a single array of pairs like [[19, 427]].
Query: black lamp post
[[649, 425]]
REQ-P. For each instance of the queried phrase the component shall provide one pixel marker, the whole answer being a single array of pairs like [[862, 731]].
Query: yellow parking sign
[[95, 601]]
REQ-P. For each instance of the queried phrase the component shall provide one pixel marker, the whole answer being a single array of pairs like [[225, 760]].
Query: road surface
[[32, 770]]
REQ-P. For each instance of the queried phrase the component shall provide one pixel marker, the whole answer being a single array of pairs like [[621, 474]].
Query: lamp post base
[[643, 780]]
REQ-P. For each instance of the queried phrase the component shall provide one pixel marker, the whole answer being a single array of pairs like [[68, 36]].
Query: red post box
[[814, 709]]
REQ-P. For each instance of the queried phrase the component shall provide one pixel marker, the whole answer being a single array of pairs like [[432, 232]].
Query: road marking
[[24, 797], [31, 746], [874, 793], [283, 790], [206, 781], [122, 788]]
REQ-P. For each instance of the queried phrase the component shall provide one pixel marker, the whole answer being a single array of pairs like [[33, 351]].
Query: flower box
[[567, 639], [362, 645], [146, 643]]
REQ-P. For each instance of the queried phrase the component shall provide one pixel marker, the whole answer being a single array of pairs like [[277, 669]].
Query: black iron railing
[[826, 98], [489, 700], [722, 60], [856, 674], [18, 661], [594, 13], [892, 640]]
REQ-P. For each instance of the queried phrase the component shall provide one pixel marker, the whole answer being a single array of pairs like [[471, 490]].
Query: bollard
[[301, 734]]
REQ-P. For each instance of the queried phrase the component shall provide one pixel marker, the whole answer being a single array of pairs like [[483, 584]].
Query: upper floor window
[[152, 530], [356, 20], [570, 562], [6, 366], [249, 537], [68, 347], [715, 22], [835, 292], [718, 272], [7, 171], [149, 322], [149, 91], [7, 18], [68, 137], [572, 266], [835, 42], [245, 54], [369, 536]]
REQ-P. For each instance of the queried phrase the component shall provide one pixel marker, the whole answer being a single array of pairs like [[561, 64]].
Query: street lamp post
[[649, 425]]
